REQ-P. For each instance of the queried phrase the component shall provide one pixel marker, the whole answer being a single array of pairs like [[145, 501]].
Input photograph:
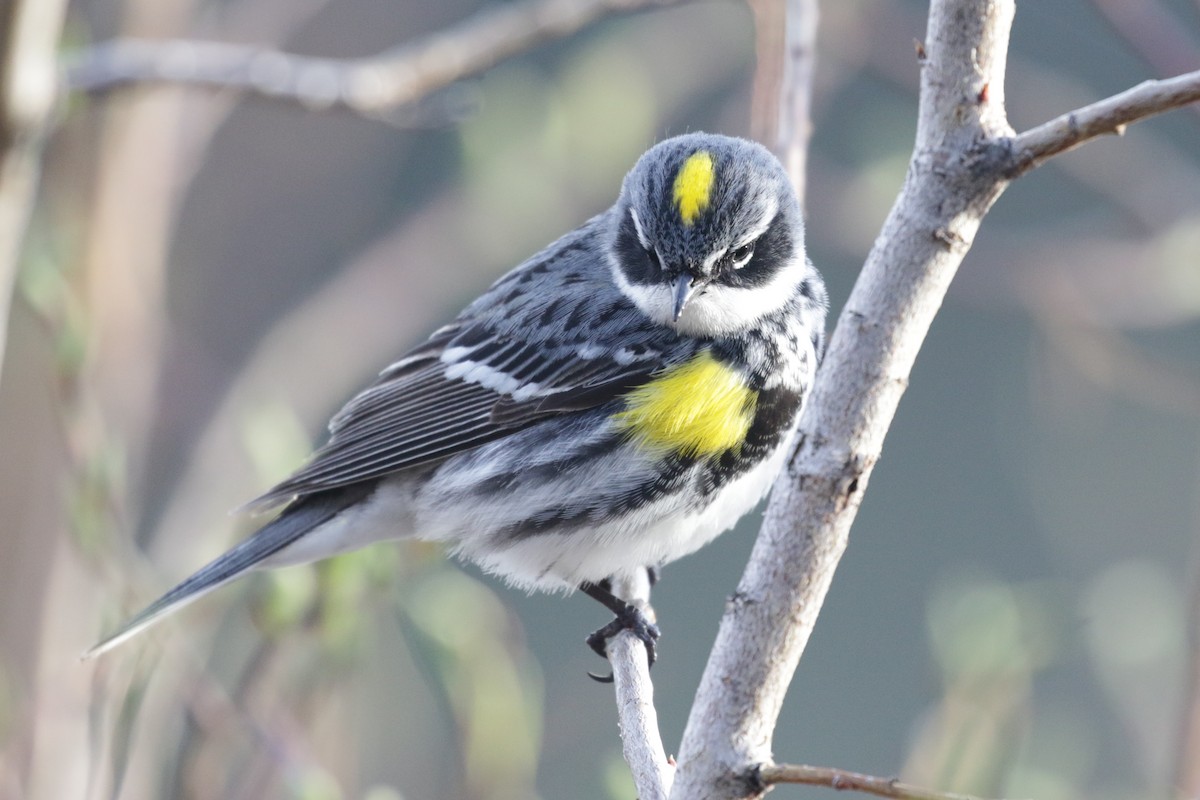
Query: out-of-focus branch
[[1110, 115], [842, 780], [1186, 769], [641, 742], [770, 40], [795, 116], [371, 86], [781, 106], [29, 34]]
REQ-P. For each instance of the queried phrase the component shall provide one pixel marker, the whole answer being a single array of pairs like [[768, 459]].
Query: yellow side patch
[[694, 184], [698, 408]]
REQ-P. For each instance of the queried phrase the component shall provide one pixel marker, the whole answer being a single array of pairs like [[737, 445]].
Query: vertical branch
[[795, 100], [641, 743], [1187, 752], [952, 182], [770, 20], [781, 105], [29, 33]]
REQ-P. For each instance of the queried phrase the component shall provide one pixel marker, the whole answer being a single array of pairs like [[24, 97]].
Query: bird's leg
[[628, 617]]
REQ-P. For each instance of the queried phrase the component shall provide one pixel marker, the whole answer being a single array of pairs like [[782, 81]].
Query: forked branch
[[964, 157]]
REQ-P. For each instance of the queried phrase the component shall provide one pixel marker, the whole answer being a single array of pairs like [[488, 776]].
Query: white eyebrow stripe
[[637, 226], [752, 235], [711, 261], [768, 217]]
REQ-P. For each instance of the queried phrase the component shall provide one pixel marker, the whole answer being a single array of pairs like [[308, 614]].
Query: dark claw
[[628, 618]]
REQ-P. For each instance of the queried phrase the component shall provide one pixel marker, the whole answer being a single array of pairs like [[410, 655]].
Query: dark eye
[[741, 256]]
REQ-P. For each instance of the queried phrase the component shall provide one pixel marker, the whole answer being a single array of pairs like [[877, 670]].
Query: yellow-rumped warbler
[[610, 405]]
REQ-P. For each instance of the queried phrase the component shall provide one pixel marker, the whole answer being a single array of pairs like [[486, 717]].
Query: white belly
[[656, 534]]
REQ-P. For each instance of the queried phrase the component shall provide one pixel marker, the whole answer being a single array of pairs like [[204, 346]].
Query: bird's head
[[707, 236]]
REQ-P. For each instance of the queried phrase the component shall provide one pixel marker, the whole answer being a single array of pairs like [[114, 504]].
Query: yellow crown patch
[[699, 408], [693, 185]]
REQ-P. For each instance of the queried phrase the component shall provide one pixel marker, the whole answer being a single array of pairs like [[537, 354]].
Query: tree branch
[[781, 103], [795, 116], [951, 183], [842, 780], [964, 156], [770, 54], [1110, 115], [641, 742], [369, 86]]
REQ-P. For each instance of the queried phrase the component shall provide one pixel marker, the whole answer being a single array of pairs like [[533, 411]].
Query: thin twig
[[369, 86], [795, 115], [767, 94], [1110, 115], [641, 742], [781, 105], [842, 780]]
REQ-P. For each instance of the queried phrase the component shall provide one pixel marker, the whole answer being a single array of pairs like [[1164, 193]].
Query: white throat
[[715, 310]]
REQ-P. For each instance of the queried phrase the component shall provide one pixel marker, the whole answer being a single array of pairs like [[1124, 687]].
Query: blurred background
[[206, 280]]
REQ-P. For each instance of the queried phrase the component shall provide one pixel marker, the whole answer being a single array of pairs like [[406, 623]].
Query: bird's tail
[[297, 519]]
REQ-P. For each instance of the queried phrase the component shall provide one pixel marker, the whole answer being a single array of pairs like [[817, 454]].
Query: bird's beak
[[684, 285]]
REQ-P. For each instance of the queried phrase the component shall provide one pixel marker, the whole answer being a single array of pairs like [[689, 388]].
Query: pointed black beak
[[684, 285]]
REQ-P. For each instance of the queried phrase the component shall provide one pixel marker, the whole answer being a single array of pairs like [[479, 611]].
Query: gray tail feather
[[295, 521]]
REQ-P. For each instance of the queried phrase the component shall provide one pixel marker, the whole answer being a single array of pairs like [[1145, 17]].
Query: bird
[[610, 405]]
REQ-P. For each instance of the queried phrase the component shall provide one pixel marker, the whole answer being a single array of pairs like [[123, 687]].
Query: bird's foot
[[628, 617]]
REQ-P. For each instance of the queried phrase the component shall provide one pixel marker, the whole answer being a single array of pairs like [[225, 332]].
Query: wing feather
[[510, 359]]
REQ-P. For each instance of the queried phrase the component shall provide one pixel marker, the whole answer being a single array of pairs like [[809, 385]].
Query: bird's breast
[[699, 408]]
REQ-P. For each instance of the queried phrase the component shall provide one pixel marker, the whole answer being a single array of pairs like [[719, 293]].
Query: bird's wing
[[513, 357]]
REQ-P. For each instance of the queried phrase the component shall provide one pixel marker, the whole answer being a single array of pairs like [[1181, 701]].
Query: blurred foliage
[[208, 280]]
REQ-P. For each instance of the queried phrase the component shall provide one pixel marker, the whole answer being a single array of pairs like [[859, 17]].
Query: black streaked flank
[[549, 470], [773, 415], [674, 473]]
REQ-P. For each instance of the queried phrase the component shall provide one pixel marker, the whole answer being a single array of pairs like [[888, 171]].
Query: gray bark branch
[[374, 86], [795, 116], [965, 154], [1108, 116], [641, 742], [843, 780]]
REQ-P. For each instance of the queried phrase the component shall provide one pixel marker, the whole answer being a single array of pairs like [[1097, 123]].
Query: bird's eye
[[741, 256]]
